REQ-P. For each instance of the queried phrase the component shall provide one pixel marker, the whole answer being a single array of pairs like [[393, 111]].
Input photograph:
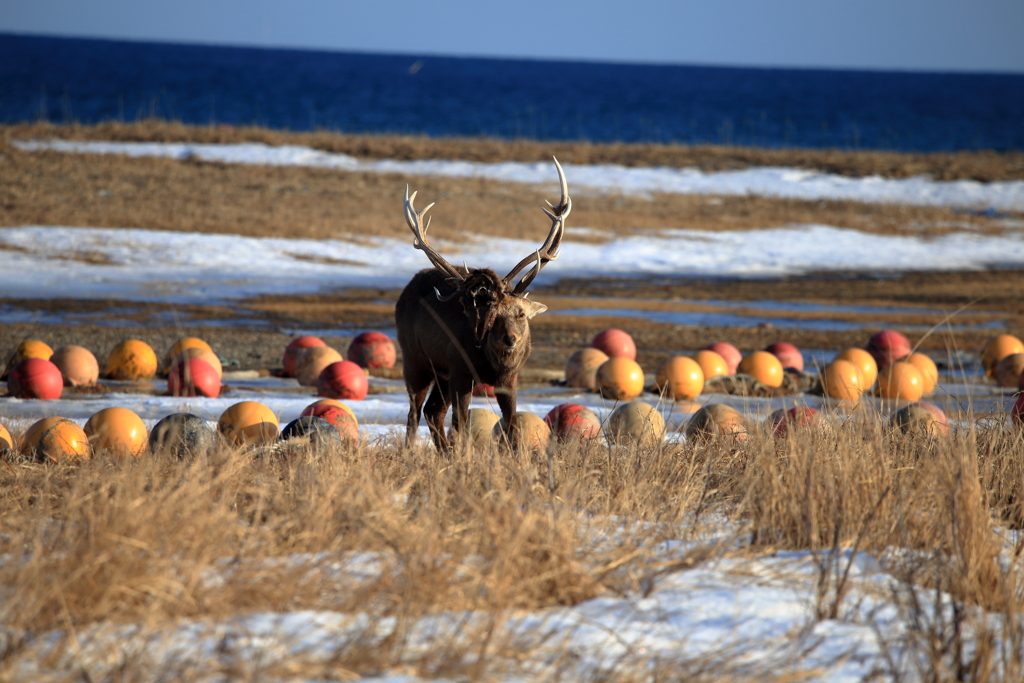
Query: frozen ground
[[178, 267], [771, 182]]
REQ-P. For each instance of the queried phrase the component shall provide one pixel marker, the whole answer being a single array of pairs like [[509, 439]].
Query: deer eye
[[522, 314]]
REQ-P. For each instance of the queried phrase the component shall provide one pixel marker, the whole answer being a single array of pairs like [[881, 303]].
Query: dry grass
[[982, 166], [52, 188], [137, 543]]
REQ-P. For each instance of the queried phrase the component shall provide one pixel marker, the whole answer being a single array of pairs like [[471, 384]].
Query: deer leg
[[416, 398], [460, 393], [435, 410], [506, 398]]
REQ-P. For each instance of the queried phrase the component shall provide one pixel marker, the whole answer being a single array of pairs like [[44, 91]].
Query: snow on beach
[[751, 615], [151, 265], [771, 182]]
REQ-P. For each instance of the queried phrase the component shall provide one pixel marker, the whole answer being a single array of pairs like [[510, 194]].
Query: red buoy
[[343, 380], [193, 377], [372, 350], [615, 344], [887, 347], [788, 355], [729, 353], [294, 350], [572, 421], [341, 418], [35, 378], [481, 390]]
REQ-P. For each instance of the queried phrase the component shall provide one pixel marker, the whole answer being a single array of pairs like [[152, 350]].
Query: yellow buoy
[[248, 423], [681, 378], [131, 361], [117, 430], [620, 378]]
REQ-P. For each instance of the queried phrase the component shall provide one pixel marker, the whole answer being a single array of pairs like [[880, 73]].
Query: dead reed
[[398, 535]]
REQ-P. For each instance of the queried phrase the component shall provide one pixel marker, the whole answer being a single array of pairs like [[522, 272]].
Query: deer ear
[[533, 308]]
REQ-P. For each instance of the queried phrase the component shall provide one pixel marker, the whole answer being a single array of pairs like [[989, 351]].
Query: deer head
[[498, 308]]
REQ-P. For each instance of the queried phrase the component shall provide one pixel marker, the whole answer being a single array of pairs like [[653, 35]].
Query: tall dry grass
[[397, 534]]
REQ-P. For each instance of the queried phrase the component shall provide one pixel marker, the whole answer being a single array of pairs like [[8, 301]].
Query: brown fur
[[480, 336]]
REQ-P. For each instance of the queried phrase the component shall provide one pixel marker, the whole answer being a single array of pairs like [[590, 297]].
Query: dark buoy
[[181, 434], [316, 430]]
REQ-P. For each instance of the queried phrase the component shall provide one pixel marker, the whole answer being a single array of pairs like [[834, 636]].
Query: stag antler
[[549, 250], [415, 220]]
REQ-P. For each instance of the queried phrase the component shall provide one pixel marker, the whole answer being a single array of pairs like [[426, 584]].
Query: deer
[[460, 326]]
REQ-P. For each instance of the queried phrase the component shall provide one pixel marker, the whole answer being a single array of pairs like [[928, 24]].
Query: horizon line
[[578, 60]]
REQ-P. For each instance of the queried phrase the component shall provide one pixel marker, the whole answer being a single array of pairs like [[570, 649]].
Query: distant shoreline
[[983, 166]]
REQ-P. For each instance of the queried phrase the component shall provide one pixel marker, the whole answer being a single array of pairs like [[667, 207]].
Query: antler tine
[[549, 250], [415, 220]]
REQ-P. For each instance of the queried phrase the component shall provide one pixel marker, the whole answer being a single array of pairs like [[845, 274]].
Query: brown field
[[49, 188], [982, 166]]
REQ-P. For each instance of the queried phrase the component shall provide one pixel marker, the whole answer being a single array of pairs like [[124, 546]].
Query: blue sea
[[64, 80]]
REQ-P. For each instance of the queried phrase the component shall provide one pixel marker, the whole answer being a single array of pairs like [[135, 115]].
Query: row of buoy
[[122, 433], [36, 371], [640, 423], [887, 360]]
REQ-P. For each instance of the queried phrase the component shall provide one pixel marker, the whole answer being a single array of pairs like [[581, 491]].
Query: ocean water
[[63, 80]]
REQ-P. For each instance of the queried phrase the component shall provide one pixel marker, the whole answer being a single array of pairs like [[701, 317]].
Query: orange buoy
[[581, 368], [312, 362], [865, 362], [30, 348], [77, 365], [131, 361], [711, 364], [929, 372], [117, 430], [249, 422], [620, 378], [202, 354], [185, 343], [534, 433], [681, 378], [901, 381], [635, 423], [764, 367], [997, 349], [716, 420], [842, 380], [55, 438]]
